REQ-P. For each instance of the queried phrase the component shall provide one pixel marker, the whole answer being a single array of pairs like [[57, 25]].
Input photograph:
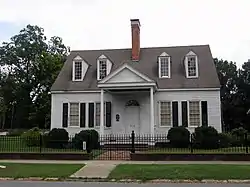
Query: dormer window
[[191, 65], [164, 65], [79, 69], [103, 67]]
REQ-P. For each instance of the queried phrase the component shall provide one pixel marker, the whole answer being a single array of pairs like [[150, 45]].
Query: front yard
[[177, 171], [16, 170]]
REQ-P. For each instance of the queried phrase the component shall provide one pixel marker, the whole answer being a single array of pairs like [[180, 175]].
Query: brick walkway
[[114, 155]]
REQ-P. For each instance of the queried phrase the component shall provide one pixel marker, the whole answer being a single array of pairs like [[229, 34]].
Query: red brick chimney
[[135, 28]]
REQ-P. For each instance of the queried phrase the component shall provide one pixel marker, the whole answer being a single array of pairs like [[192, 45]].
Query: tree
[[33, 63]]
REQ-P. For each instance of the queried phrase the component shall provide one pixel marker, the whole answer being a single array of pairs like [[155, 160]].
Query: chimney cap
[[135, 22]]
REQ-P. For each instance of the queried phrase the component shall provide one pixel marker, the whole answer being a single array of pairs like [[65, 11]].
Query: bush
[[179, 137], [238, 136], [91, 137], [15, 132], [32, 137], [225, 140], [206, 138], [56, 138]]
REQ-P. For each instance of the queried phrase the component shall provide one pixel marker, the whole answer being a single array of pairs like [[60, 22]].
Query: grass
[[16, 170], [229, 150], [9, 144], [179, 171]]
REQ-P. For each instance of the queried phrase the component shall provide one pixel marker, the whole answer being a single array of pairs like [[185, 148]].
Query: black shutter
[[175, 113], [91, 114], [65, 115], [82, 115], [184, 113], [204, 114], [108, 114]]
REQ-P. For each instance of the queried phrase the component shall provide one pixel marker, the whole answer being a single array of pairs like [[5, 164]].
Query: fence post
[[41, 142], [191, 143], [246, 142], [133, 142]]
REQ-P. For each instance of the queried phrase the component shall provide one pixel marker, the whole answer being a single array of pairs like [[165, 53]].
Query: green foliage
[[179, 137], [32, 137], [225, 140], [239, 136], [206, 138], [56, 138], [15, 132], [32, 64], [91, 137]]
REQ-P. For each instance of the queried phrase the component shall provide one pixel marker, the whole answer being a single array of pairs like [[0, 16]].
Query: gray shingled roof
[[147, 65]]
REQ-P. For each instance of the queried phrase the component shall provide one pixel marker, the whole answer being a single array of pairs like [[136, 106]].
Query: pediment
[[126, 74]]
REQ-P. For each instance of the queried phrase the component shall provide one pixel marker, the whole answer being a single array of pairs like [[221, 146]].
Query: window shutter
[[82, 114], [204, 113], [184, 113], [108, 114], [65, 115], [91, 114], [175, 113]]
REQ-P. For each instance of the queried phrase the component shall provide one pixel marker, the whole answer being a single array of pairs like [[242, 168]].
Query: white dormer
[[103, 67], [164, 65], [191, 65], [79, 69]]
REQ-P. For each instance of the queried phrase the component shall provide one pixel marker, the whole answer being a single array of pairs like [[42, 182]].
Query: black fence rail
[[119, 147]]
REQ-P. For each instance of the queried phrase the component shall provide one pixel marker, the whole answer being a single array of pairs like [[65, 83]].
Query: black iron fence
[[119, 147]]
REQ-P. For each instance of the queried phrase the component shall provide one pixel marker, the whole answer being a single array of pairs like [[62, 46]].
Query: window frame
[[196, 65], [99, 70], [74, 70], [171, 113], [164, 55], [200, 114], [69, 124], [104, 116]]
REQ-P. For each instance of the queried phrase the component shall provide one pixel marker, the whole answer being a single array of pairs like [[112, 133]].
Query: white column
[[102, 114], [152, 115]]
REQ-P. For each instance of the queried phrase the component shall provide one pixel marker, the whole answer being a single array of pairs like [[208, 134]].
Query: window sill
[[165, 126]]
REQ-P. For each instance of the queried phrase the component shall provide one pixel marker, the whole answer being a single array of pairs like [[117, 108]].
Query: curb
[[211, 181]]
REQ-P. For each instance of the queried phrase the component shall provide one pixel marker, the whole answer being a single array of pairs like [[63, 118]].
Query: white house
[[148, 90]]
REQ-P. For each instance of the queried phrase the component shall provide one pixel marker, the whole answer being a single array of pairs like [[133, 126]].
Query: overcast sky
[[102, 24]]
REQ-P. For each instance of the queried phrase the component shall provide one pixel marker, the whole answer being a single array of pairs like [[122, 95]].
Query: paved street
[[77, 184]]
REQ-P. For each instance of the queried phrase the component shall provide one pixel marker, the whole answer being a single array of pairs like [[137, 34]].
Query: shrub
[[179, 137], [91, 137], [56, 138], [238, 136], [32, 137], [225, 140], [206, 138], [15, 132]]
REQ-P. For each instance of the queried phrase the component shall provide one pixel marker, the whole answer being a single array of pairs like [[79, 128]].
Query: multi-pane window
[[98, 114], [102, 68], [191, 62], [165, 113], [74, 114], [194, 113], [164, 66], [78, 70]]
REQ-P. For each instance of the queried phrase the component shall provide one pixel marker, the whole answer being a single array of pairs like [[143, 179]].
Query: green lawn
[[17, 170], [229, 150], [178, 171]]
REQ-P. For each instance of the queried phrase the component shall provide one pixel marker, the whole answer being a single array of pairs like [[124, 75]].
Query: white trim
[[66, 92], [101, 58], [78, 126], [191, 54], [189, 114], [137, 85], [164, 55], [189, 89], [159, 114], [120, 69]]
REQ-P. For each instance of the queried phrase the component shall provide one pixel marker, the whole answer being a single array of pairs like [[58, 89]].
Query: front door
[[132, 120]]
